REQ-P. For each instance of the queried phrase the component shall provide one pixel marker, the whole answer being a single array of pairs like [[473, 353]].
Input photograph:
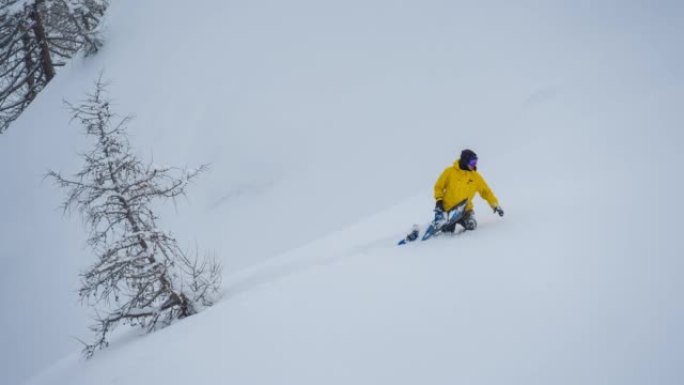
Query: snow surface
[[326, 124]]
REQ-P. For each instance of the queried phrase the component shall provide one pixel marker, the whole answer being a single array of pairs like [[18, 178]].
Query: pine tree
[[141, 277]]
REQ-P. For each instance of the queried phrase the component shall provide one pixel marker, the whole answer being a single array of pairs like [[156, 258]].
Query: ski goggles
[[472, 163]]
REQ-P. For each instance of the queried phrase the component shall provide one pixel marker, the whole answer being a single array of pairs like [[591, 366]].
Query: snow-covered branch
[[36, 37]]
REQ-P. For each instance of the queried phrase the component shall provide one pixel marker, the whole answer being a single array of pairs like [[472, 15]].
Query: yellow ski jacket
[[455, 185]]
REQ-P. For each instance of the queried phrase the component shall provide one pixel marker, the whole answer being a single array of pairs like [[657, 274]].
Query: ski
[[434, 228]]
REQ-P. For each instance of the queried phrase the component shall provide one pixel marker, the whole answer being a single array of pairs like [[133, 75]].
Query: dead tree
[[141, 277], [36, 37]]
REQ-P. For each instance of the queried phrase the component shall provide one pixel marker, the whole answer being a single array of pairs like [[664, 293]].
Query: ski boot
[[440, 219], [468, 221]]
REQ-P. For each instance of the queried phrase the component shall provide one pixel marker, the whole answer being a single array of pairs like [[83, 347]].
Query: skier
[[455, 190], [458, 182]]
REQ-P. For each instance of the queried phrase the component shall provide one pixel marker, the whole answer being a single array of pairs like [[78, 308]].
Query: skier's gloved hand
[[439, 206], [498, 210]]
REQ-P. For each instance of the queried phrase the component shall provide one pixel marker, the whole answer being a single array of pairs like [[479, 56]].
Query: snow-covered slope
[[316, 117], [526, 300]]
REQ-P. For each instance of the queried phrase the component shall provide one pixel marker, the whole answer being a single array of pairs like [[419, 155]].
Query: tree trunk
[[41, 38], [28, 62]]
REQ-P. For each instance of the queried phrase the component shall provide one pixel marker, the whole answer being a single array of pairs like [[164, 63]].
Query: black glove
[[439, 206], [498, 210]]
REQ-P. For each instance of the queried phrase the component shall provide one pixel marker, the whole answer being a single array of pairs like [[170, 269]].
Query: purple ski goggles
[[472, 163]]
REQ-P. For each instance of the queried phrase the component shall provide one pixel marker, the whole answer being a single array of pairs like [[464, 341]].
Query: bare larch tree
[[36, 37], [141, 277]]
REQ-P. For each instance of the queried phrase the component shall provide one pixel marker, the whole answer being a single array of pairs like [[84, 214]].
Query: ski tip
[[428, 233]]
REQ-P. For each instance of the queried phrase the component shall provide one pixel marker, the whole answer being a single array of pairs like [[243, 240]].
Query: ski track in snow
[[276, 270]]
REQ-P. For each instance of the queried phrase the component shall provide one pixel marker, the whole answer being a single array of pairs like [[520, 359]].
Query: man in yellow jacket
[[458, 182]]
